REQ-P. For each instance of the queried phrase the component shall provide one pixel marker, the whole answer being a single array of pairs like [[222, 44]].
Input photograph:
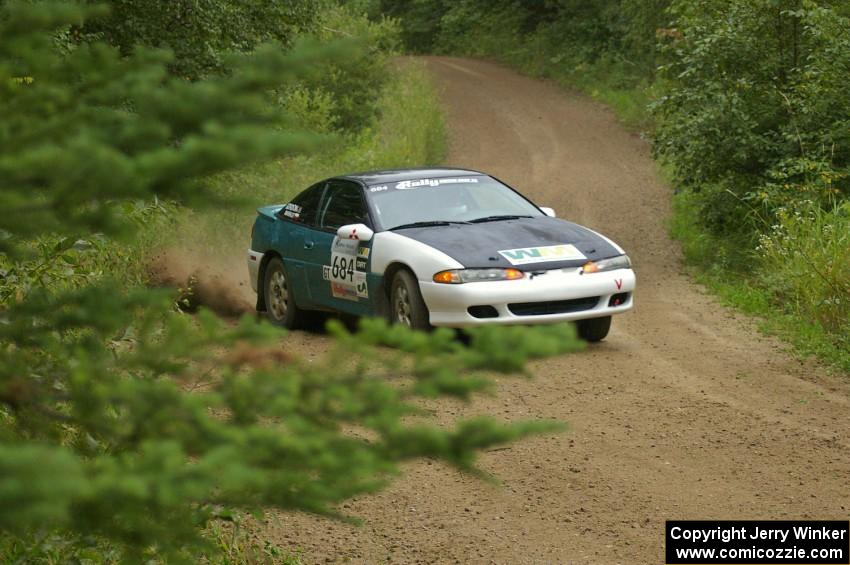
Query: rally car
[[433, 247]]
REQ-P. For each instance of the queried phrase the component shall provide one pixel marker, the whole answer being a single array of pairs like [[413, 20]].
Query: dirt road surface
[[684, 412]]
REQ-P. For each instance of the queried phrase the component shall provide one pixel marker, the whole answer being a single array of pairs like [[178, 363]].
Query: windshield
[[437, 201]]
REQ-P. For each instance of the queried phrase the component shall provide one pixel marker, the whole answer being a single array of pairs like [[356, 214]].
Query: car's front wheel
[[280, 300], [407, 306], [594, 329]]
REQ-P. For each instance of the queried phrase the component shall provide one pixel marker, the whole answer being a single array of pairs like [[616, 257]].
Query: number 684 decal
[[346, 281], [341, 269]]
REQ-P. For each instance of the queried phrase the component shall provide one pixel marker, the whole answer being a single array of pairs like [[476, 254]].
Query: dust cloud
[[218, 283]]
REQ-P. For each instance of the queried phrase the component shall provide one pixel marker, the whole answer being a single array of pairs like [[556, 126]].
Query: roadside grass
[[237, 545], [616, 86], [409, 132], [795, 282], [784, 288], [808, 338], [65, 263], [233, 540]]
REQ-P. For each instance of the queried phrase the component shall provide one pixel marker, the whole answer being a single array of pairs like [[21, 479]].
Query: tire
[[281, 309], [594, 329], [406, 305]]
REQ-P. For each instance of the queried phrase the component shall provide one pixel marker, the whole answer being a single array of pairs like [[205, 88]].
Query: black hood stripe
[[531, 243]]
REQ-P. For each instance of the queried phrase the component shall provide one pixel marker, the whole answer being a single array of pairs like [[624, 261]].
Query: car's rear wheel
[[279, 297], [406, 305], [594, 329]]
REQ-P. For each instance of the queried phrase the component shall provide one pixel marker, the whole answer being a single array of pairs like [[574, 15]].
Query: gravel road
[[685, 411]]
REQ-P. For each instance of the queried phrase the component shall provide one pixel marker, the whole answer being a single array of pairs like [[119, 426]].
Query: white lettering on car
[[411, 184]]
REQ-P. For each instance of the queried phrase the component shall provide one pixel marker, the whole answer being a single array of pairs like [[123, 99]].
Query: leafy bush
[[805, 260], [352, 89], [66, 262], [200, 33], [762, 154], [606, 48], [770, 135], [126, 428]]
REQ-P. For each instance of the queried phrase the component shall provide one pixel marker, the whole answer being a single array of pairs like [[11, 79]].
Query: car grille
[[553, 306]]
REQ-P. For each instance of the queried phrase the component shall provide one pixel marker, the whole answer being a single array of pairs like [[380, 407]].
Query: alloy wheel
[[278, 291]]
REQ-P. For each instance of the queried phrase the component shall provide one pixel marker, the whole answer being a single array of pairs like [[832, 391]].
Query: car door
[[336, 278], [294, 238]]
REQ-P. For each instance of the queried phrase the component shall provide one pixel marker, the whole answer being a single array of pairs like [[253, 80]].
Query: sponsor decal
[[346, 282], [619, 283], [292, 211], [344, 246], [339, 290], [411, 184], [360, 285], [526, 255], [353, 286], [363, 252], [361, 264]]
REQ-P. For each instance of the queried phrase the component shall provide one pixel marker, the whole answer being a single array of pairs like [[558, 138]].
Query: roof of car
[[396, 175]]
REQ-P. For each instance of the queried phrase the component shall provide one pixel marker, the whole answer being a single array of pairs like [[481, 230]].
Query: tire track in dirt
[[685, 411]]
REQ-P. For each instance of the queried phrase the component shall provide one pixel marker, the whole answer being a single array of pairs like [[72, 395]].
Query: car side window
[[343, 204], [304, 208]]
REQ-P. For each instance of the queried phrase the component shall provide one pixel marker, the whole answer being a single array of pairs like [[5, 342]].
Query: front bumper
[[554, 296]]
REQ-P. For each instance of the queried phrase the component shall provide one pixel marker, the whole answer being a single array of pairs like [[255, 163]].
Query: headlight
[[459, 276], [614, 263]]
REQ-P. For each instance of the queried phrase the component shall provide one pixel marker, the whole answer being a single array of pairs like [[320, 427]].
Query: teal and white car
[[433, 247]]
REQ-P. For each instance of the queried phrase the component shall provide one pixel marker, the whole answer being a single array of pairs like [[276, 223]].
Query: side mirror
[[548, 211], [360, 232]]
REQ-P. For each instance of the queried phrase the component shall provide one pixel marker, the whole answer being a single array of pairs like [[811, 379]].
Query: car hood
[[527, 244]]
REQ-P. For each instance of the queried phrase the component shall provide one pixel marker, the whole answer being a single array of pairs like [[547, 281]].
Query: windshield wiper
[[497, 218], [427, 224]]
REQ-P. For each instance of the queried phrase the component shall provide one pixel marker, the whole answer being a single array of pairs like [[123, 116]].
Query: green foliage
[[408, 131], [96, 384], [605, 48], [352, 88], [753, 139], [795, 280], [64, 262], [762, 156], [336, 96], [805, 259], [92, 126], [237, 545], [581, 31], [200, 33], [127, 430], [420, 19]]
